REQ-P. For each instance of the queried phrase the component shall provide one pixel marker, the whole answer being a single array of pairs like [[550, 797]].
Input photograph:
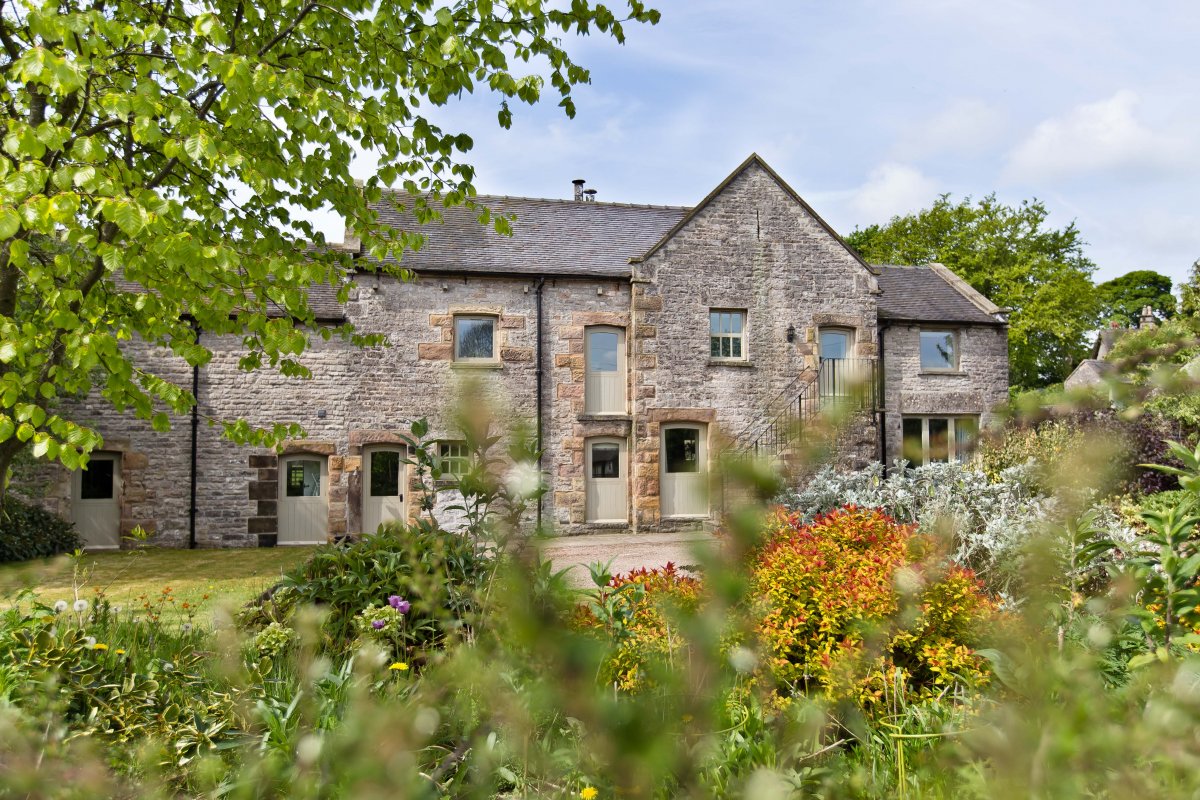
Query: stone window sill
[[937, 372], [608, 524], [476, 365], [595, 417], [730, 362]]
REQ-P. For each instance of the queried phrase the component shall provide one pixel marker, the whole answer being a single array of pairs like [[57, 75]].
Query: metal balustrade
[[840, 386]]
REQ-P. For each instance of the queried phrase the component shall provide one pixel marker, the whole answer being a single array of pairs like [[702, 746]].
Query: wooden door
[[96, 502], [684, 469], [303, 500], [607, 481], [383, 487]]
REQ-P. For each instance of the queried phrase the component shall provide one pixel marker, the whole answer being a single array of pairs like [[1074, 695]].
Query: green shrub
[[28, 532], [439, 575]]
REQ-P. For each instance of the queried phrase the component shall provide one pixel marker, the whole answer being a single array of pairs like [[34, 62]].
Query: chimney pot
[[591, 195], [579, 182]]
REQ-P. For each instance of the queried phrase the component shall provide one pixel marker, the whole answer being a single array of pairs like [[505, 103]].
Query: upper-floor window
[[727, 333], [836, 343], [454, 458], [939, 351], [604, 370], [474, 338]]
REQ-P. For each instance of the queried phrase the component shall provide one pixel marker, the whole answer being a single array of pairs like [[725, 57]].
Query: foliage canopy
[[1012, 256], [154, 154], [1123, 298]]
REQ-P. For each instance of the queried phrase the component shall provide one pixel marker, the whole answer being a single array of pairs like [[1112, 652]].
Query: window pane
[[726, 348], [96, 482], [737, 321], [914, 448], [714, 322], [453, 458], [602, 351], [304, 479], [966, 433], [606, 461], [385, 473], [737, 347], [835, 344], [937, 350], [682, 449], [715, 346], [939, 440], [474, 338]]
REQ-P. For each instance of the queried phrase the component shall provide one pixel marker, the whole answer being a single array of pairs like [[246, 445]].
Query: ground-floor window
[[931, 440]]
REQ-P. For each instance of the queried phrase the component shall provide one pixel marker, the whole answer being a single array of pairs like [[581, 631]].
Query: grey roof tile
[[552, 237], [920, 294]]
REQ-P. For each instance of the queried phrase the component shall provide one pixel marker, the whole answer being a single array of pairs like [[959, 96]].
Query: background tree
[[161, 145], [1009, 254], [1189, 293], [1122, 299]]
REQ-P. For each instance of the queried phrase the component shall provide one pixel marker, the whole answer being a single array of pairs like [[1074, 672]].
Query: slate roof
[[927, 294], [550, 237]]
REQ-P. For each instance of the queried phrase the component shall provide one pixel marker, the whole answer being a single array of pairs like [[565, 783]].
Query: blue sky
[[873, 108]]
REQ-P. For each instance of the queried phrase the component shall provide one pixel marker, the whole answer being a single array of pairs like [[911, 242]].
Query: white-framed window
[[931, 440], [604, 370], [454, 458], [727, 334], [835, 343], [939, 350], [474, 338]]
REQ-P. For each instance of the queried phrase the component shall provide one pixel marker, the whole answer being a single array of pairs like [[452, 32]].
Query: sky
[[871, 109]]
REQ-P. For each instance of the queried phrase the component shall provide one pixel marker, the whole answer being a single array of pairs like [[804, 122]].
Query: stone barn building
[[640, 340]]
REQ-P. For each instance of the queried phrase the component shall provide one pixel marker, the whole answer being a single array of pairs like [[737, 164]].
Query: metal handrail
[[844, 382]]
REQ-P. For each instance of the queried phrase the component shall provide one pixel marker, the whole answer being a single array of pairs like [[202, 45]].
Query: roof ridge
[[565, 201]]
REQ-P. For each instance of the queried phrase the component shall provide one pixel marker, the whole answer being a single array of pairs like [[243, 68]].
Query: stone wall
[[978, 388], [753, 247]]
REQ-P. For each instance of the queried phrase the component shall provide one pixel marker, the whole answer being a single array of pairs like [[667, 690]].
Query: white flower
[[524, 479], [81, 606], [89, 640], [117, 608], [187, 627], [168, 666], [60, 606]]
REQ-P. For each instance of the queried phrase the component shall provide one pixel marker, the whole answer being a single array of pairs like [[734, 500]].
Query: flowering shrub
[[830, 596], [992, 520], [633, 610]]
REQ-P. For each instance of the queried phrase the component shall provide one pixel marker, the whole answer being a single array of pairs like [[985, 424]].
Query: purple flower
[[377, 624], [399, 603]]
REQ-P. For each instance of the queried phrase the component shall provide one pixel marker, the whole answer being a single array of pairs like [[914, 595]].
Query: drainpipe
[[882, 402], [540, 369], [195, 433]]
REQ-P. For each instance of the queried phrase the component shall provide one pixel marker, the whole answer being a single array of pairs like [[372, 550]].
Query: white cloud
[[966, 126], [1102, 137], [893, 189]]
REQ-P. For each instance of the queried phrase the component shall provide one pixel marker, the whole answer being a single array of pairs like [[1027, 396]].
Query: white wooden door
[[303, 500], [604, 371], [607, 481], [683, 487], [383, 487], [96, 502]]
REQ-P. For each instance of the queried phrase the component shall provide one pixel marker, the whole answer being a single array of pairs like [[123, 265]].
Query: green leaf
[[10, 223]]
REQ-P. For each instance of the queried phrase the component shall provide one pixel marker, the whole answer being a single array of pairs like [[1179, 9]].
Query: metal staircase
[[838, 388]]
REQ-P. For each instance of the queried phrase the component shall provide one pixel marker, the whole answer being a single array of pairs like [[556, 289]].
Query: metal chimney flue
[[579, 182], [589, 195]]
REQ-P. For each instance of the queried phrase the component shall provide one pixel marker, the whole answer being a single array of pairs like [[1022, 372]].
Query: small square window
[[939, 351], [929, 440], [474, 338], [726, 334], [454, 458]]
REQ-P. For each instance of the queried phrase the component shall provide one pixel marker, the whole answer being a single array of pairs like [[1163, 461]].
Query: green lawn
[[135, 578]]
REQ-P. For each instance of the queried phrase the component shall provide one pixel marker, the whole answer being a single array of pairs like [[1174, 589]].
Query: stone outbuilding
[[640, 342]]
